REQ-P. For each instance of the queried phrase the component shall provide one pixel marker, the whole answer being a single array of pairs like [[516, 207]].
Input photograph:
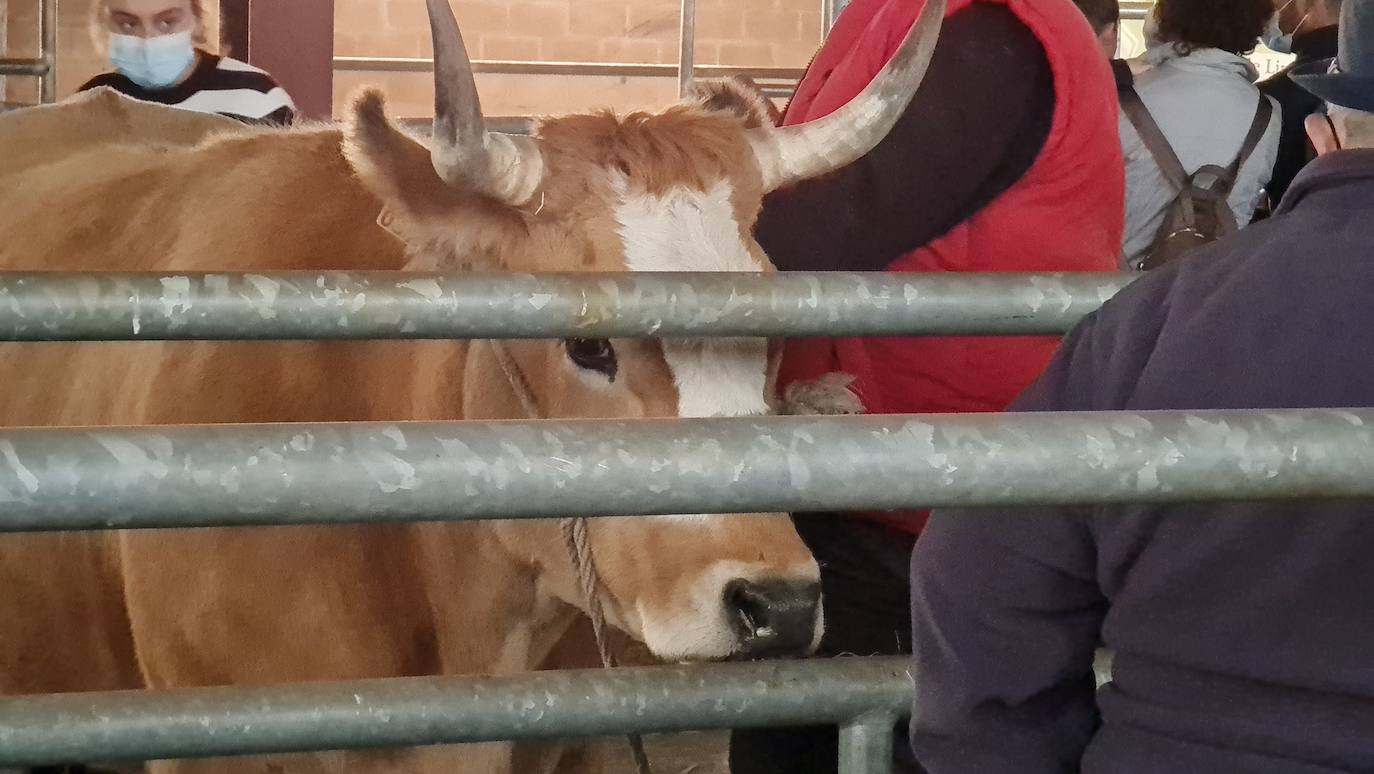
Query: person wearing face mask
[[1308, 29], [157, 48]]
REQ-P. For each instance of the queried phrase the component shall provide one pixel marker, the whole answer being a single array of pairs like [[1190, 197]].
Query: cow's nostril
[[750, 606], [772, 618]]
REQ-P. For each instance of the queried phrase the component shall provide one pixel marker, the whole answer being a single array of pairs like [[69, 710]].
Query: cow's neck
[[491, 612], [478, 584]]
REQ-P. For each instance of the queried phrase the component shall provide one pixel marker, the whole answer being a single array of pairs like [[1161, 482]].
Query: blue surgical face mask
[[1275, 38], [153, 63]]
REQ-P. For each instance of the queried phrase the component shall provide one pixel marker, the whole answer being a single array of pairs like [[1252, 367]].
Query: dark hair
[[1101, 13], [1230, 25]]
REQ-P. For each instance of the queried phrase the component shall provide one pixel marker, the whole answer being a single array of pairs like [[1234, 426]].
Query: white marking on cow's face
[[719, 377], [684, 229], [688, 229]]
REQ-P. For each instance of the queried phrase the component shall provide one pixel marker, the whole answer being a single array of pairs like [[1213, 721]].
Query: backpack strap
[[1154, 139], [1258, 127]]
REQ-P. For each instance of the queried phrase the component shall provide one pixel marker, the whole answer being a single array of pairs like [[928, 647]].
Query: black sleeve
[[1295, 150], [976, 126], [113, 80]]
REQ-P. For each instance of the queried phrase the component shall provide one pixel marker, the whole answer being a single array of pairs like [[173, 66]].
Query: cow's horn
[[507, 167], [790, 154]]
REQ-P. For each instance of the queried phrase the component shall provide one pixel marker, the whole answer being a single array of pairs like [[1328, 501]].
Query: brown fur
[[210, 607], [97, 117], [739, 96]]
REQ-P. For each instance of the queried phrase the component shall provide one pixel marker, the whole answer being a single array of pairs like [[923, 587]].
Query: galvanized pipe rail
[[862, 695], [23, 66], [241, 475], [44, 67], [57, 306]]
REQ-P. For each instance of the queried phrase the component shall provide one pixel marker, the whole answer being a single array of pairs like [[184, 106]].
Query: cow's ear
[[393, 165], [431, 217], [740, 96]]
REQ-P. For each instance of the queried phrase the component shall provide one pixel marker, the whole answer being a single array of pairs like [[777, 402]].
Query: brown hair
[[1230, 25], [100, 17], [1101, 13]]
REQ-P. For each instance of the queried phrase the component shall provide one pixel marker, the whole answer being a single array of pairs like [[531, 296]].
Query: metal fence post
[[47, 33], [830, 11], [866, 744], [44, 66], [687, 47]]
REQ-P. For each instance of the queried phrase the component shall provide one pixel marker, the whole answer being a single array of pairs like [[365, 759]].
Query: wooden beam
[[294, 41]]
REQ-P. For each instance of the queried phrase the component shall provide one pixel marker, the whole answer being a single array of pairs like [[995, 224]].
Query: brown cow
[[678, 190], [97, 118]]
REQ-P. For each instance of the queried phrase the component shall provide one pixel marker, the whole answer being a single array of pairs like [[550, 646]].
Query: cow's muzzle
[[773, 617]]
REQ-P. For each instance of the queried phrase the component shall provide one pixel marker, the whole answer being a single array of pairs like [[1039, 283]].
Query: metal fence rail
[[44, 66], [54, 306], [72, 728], [71, 479]]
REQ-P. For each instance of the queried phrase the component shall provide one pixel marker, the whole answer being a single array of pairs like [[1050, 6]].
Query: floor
[[702, 753]]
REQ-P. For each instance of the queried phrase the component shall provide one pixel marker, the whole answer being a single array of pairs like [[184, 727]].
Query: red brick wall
[[760, 33], [736, 32]]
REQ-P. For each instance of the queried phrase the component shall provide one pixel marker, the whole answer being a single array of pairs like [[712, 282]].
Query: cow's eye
[[592, 355]]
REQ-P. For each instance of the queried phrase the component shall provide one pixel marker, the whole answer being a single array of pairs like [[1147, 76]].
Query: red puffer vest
[[1065, 214]]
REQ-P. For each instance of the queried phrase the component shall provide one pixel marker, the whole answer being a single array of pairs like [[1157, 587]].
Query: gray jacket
[[1204, 104]]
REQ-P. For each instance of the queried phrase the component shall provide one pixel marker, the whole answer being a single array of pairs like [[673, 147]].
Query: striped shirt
[[216, 85]]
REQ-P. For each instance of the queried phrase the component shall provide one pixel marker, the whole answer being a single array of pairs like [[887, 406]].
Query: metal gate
[[982, 460], [44, 66]]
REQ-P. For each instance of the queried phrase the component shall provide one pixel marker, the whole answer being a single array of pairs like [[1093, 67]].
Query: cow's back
[[249, 201], [34, 136]]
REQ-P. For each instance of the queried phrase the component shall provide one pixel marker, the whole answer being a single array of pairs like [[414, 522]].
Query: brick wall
[[736, 32], [758, 33]]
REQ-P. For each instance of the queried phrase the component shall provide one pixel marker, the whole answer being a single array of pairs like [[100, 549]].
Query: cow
[[677, 190]]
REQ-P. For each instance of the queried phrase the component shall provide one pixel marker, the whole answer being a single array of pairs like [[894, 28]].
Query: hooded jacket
[[1242, 631]]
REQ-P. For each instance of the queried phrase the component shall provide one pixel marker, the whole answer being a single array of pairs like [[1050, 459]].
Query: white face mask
[[1275, 38], [153, 63]]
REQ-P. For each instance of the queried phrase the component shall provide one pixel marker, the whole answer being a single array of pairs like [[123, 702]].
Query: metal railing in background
[[864, 696], [44, 66], [400, 64], [775, 81], [830, 13], [1135, 9], [50, 306], [686, 47]]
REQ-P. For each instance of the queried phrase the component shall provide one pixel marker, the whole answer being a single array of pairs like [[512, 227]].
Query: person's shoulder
[[239, 74], [231, 65], [239, 90]]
